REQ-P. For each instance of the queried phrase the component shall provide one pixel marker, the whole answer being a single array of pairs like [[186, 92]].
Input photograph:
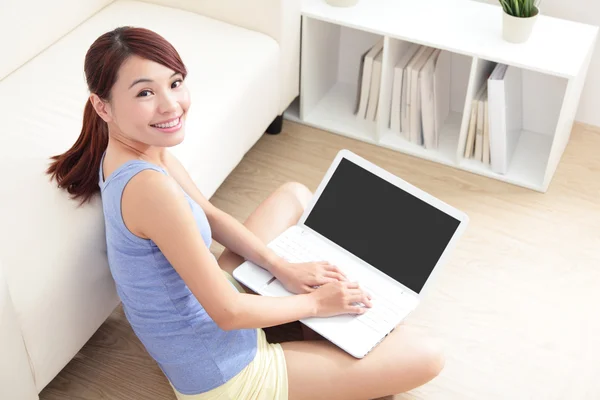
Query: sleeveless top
[[192, 351]]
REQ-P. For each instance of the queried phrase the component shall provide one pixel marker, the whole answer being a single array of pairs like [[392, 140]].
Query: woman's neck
[[123, 148]]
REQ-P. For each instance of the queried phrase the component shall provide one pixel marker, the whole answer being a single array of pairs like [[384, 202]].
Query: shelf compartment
[[335, 112], [336, 102], [528, 165], [541, 97], [444, 154], [459, 72], [331, 61]]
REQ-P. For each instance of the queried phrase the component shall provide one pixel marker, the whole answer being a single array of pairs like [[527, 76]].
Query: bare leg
[[282, 209], [320, 370]]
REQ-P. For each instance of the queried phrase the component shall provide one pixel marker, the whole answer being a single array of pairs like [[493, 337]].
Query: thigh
[[280, 210], [320, 370]]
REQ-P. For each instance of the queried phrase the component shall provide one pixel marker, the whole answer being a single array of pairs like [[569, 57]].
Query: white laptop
[[379, 230]]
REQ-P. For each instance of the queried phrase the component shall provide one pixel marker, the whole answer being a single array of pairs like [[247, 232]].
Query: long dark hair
[[77, 169]]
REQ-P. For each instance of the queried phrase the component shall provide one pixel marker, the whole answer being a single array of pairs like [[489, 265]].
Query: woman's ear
[[102, 108]]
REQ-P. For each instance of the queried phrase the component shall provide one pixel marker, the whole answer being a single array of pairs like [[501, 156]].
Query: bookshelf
[[553, 66]]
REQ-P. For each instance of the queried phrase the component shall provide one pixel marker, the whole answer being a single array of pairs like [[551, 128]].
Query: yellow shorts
[[265, 378]]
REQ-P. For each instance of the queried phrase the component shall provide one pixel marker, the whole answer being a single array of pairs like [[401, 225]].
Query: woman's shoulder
[[152, 200], [151, 182], [112, 166]]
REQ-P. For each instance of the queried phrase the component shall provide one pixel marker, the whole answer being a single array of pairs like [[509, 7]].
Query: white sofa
[[55, 284]]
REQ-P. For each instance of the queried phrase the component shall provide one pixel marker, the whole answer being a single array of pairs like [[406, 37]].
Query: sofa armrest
[[279, 19], [16, 378]]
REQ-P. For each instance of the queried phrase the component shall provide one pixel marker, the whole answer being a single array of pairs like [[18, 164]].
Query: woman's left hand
[[305, 277]]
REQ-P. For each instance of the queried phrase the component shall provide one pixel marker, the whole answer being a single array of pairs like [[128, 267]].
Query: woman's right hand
[[340, 297]]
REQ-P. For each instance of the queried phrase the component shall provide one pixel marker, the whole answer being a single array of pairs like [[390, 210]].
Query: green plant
[[520, 8]]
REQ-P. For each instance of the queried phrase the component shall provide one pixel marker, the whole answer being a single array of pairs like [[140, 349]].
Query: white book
[[416, 128], [426, 86], [406, 92], [361, 96], [365, 77], [505, 115], [470, 142], [442, 79], [479, 128], [375, 86], [486, 131], [395, 124], [435, 96], [398, 88]]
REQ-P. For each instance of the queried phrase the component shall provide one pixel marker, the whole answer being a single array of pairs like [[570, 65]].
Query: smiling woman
[[118, 67], [201, 327]]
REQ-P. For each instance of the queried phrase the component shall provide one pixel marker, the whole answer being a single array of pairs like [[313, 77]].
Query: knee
[[299, 191], [433, 358]]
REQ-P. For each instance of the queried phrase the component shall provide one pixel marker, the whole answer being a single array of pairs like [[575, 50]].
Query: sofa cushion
[[53, 250]]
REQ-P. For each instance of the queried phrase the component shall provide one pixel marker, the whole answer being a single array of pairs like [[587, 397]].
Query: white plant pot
[[341, 3], [517, 30]]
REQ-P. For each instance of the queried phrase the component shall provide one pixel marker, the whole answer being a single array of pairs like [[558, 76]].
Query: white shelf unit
[[553, 64]]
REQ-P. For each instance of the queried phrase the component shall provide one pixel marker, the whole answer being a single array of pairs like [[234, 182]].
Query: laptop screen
[[387, 227]]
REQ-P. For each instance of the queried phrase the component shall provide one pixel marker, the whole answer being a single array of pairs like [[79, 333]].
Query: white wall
[[586, 11]]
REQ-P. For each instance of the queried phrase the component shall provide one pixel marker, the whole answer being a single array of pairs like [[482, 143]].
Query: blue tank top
[[191, 350]]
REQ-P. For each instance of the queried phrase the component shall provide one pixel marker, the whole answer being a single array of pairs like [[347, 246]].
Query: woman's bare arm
[[226, 230], [154, 207]]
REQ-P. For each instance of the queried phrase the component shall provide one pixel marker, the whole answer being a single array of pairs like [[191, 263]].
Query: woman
[[204, 331]]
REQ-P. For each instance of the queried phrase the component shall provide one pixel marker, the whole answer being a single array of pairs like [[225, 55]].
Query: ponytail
[[77, 170]]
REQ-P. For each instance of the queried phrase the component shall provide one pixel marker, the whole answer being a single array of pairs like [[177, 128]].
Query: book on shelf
[[427, 91], [395, 120], [373, 100], [505, 115], [469, 142], [365, 78], [415, 130], [486, 131], [479, 125], [434, 84], [399, 89], [407, 93], [496, 119], [476, 126], [421, 94]]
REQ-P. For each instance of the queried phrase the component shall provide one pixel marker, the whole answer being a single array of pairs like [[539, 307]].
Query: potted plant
[[518, 19]]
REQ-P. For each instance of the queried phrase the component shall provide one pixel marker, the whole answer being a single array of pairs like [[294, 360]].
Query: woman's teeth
[[167, 125]]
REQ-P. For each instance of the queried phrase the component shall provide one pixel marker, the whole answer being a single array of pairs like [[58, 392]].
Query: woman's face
[[149, 104]]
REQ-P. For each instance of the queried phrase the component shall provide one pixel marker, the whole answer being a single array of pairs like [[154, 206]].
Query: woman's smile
[[169, 126]]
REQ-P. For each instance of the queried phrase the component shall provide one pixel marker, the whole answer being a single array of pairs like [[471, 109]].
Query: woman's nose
[[167, 104]]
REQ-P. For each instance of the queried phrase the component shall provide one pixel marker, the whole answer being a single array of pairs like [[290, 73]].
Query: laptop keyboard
[[381, 317], [383, 314]]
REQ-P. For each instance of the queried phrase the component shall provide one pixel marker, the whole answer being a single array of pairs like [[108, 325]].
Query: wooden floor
[[517, 304]]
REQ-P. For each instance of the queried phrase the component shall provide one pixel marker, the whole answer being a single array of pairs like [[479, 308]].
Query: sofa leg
[[275, 126]]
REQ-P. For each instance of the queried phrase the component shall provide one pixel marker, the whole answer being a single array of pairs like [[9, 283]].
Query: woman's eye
[[144, 93], [177, 83]]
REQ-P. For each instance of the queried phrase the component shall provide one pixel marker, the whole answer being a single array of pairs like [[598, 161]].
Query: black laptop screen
[[392, 230]]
